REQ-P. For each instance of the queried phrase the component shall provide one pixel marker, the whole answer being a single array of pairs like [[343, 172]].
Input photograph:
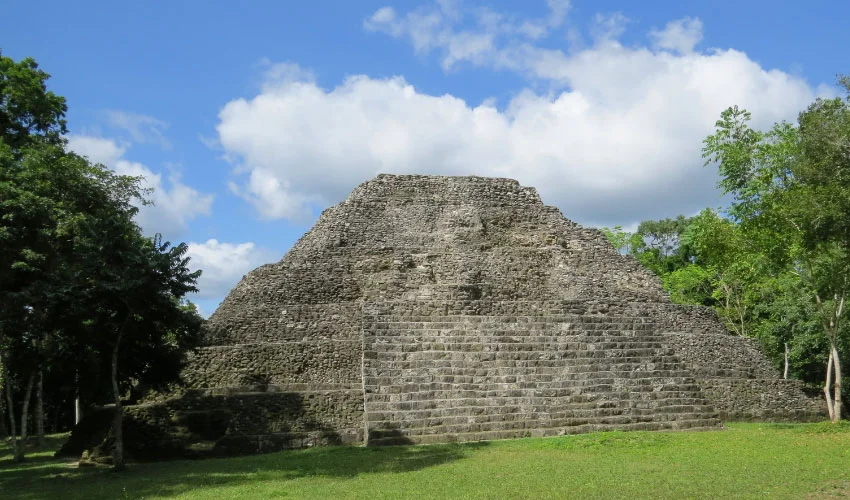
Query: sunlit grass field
[[743, 461]]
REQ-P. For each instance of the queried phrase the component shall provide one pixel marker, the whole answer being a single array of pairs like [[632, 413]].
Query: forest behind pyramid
[[433, 309]]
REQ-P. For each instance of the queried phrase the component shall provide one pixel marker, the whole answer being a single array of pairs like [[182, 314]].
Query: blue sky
[[249, 119]]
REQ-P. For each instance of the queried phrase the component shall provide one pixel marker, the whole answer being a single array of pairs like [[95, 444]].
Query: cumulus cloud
[[680, 35], [620, 145], [609, 26], [440, 26], [97, 149], [284, 72], [175, 203], [224, 264]]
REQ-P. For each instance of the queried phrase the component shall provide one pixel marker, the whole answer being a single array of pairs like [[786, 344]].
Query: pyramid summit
[[432, 309]]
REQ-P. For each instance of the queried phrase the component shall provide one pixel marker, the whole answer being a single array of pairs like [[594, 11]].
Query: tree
[[29, 116], [138, 299], [657, 245], [791, 194], [622, 240], [78, 279], [735, 264], [28, 111], [691, 284], [73, 256]]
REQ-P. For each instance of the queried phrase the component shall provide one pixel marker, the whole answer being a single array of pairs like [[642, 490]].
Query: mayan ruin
[[427, 309]]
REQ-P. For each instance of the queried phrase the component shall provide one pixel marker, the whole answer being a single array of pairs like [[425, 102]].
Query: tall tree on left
[[71, 255], [31, 117]]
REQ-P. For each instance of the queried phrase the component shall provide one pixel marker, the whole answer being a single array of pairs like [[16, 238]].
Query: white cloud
[[680, 35], [440, 26], [142, 129], [609, 27], [97, 149], [284, 72], [621, 145], [382, 16], [558, 11], [224, 264], [175, 203]]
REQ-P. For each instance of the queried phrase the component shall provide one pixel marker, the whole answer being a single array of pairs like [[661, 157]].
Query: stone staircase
[[465, 377]]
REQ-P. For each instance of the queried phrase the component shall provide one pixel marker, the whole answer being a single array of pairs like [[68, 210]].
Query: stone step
[[432, 417], [617, 392], [475, 364], [502, 374], [500, 403], [519, 313], [555, 340], [519, 309], [517, 344], [518, 350], [509, 352], [628, 400], [414, 353], [530, 322], [546, 365], [668, 419], [503, 333], [614, 392], [494, 398], [414, 383], [570, 376], [412, 402], [414, 386], [436, 378], [578, 428], [446, 345], [525, 421], [733, 373], [563, 327], [376, 368], [389, 322]]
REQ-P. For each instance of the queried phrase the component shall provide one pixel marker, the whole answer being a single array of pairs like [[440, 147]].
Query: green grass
[[744, 461]]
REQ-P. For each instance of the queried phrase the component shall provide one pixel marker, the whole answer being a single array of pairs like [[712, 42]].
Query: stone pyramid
[[432, 309]]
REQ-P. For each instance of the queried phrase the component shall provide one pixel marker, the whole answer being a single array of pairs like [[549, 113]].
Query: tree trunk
[[787, 357], [836, 361], [78, 408], [39, 408], [25, 410], [836, 325], [117, 427], [17, 455], [4, 432], [827, 388], [831, 325]]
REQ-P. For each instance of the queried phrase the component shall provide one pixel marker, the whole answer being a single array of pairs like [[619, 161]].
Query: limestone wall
[[258, 321], [437, 377], [740, 381], [313, 362]]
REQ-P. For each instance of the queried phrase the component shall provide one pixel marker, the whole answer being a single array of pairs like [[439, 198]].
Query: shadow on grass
[[52, 478], [33, 451]]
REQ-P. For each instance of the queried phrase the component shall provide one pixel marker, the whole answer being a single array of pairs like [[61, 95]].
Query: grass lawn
[[744, 461]]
